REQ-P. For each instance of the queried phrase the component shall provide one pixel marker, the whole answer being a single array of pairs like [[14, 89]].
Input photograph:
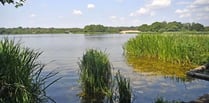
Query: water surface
[[62, 52]]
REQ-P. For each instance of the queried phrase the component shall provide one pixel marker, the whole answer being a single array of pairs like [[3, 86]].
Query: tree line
[[154, 27], [38, 30], [172, 27], [87, 29]]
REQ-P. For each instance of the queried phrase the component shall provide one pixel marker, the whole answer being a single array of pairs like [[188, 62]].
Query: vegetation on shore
[[176, 48], [88, 29], [172, 27], [101, 29], [167, 54], [21, 75], [98, 83]]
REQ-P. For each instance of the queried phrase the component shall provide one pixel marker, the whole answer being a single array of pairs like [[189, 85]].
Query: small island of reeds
[[184, 51], [98, 84]]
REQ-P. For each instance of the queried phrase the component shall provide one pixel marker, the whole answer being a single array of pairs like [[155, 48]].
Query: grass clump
[[20, 75], [98, 83], [95, 75], [161, 100], [124, 89], [175, 48]]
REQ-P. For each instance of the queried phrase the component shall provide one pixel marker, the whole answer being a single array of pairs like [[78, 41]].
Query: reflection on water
[[61, 52], [153, 66], [159, 79]]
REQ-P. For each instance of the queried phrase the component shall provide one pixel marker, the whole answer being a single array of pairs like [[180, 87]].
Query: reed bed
[[175, 48], [98, 84], [95, 76], [21, 79]]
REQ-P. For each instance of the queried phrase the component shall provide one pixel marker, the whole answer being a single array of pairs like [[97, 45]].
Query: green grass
[[21, 79], [175, 48], [95, 75], [162, 100], [124, 88], [98, 83]]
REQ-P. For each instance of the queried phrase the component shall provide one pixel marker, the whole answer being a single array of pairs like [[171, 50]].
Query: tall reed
[[21, 79], [124, 88], [98, 83], [175, 48], [95, 76], [162, 100]]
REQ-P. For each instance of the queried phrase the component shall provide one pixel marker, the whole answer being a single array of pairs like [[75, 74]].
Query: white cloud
[[151, 7], [33, 15], [113, 17], [60, 17], [77, 12], [183, 3], [117, 19], [181, 11], [206, 9], [185, 15], [120, 0], [135, 22], [132, 14], [142, 11], [152, 14], [90, 6], [121, 18], [160, 3], [196, 10], [201, 2]]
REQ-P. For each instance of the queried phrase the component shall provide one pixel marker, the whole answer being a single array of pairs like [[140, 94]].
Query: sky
[[78, 13]]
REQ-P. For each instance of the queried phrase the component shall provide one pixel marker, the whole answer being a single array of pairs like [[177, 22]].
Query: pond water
[[62, 52]]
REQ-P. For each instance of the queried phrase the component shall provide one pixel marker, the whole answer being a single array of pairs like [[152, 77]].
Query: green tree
[[207, 28], [144, 28], [174, 26], [17, 3], [94, 28], [197, 27], [112, 30], [156, 26], [186, 27]]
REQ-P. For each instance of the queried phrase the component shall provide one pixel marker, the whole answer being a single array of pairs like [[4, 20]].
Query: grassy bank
[[174, 48]]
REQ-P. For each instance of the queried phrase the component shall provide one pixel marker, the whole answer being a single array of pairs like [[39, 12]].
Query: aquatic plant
[[21, 79], [98, 83], [162, 100], [124, 88], [175, 48], [95, 76], [154, 66]]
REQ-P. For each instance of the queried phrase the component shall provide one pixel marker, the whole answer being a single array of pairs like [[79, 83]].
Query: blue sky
[[78, 13]]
